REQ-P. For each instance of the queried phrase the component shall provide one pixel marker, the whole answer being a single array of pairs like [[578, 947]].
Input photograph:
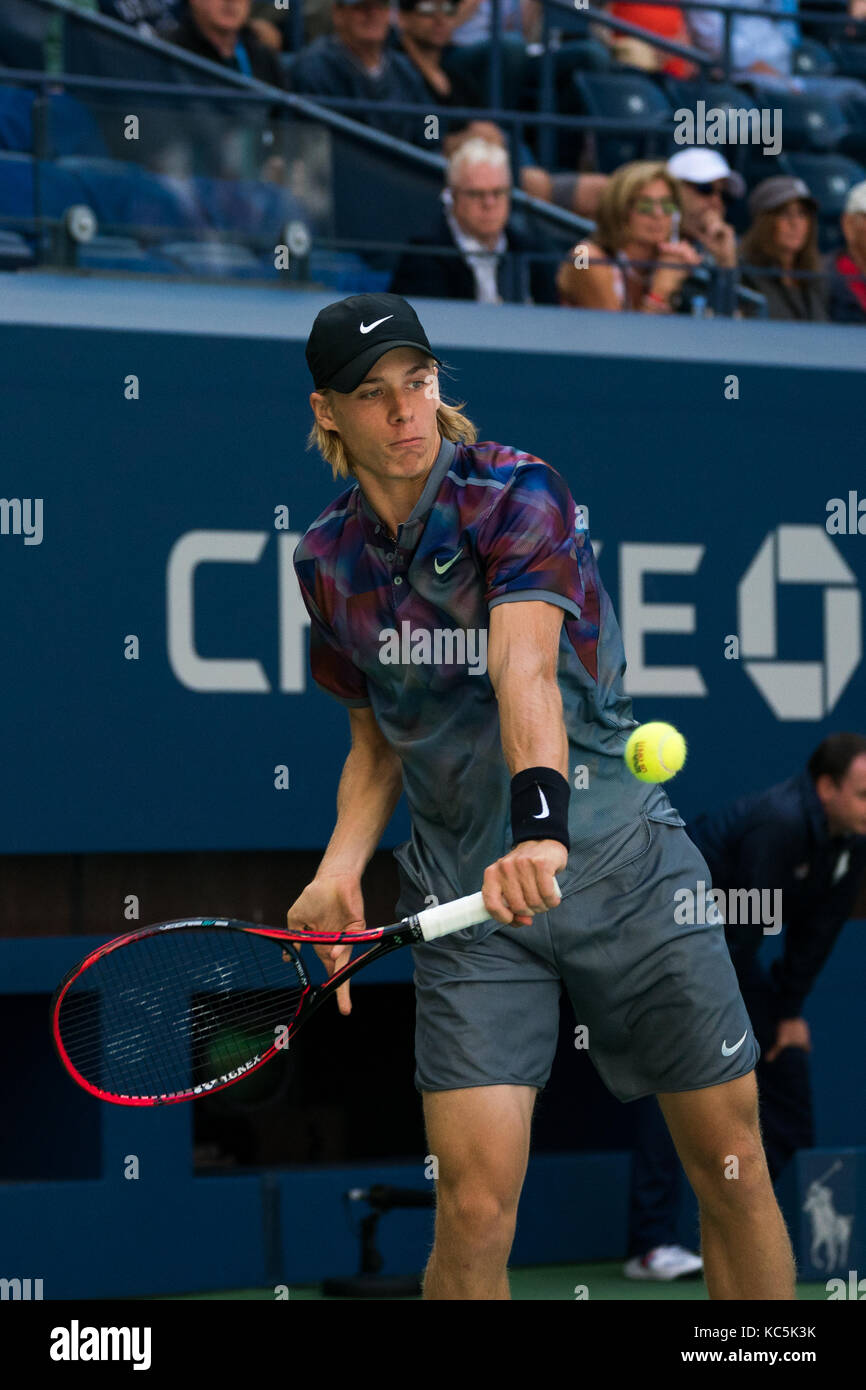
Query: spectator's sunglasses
[[428, 7], [706, 190], [650, 205]]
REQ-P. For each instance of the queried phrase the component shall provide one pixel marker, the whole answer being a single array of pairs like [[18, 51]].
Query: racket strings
[[178, 1010]]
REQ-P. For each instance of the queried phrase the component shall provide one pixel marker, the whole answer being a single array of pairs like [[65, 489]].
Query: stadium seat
[[70, 128], [217, 258], [829, 177], [809, 122], [853, 143], [812, 59], [120, 253], [626, 96], [14, 251], [719, 94], [849, 58], [346, 273], [254, 211], [58, 189], [124, 196]]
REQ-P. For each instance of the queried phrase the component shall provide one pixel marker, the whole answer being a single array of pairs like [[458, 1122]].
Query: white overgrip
[[453, 916]]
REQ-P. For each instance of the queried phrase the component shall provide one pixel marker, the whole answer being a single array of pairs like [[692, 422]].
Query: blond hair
[[449, 421], [620, 193]]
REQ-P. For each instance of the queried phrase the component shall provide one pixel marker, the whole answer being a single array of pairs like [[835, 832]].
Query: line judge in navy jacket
[[484, 263], [807, 837]]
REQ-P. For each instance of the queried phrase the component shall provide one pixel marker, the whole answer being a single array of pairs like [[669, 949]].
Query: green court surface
[[550, 1283]]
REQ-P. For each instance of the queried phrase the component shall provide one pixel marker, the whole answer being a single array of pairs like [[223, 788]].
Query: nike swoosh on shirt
[[368, 327], [440, 569], [545, 809], [729, 1051]]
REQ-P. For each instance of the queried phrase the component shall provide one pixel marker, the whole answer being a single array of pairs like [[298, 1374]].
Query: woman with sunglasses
[[636, 261]]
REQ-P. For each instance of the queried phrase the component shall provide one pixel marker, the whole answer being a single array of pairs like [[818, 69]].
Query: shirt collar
[[470, 245], [409, 532]]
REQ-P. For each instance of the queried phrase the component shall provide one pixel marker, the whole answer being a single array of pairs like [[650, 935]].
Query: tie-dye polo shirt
[[401, 626]]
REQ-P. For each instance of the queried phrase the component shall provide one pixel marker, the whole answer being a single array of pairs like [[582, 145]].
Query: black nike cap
[[349, 336]]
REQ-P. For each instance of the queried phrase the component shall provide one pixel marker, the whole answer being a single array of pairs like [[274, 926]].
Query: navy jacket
[[422, 275], [326, 67], [779, 838]]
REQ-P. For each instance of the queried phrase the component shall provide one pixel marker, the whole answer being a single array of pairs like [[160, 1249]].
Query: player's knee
[[475, 1215], [731, 1176]]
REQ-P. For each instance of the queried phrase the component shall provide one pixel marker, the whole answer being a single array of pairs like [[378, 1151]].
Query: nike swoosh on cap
[[368, 327], [729, 1051]]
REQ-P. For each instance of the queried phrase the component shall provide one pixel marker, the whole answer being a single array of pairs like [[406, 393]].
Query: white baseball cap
[[856, 200], [705, 166]]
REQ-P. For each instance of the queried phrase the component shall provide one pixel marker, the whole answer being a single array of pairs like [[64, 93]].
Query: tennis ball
[[655, 752]]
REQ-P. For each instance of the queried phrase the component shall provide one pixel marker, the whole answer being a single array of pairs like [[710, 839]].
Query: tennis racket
[[182, 1009]]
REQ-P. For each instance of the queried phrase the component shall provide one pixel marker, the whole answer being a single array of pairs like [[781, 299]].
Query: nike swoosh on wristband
[[368, 327], [545, 809], [440, 569], [729, 1051]]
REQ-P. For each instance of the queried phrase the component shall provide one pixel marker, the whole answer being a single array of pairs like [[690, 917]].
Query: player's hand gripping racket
[[181, 1009]]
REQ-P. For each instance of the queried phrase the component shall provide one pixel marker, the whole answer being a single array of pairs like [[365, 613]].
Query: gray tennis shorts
[[656, 999]]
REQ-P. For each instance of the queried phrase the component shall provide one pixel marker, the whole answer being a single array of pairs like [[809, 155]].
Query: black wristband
[[539, 806]]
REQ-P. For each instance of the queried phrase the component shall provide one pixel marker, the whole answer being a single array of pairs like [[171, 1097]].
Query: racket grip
[[449, 917]]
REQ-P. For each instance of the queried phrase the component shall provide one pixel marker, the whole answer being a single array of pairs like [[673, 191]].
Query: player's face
[[388, 423], [845, 803]]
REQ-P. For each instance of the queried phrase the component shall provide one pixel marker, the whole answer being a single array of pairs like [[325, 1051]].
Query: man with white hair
[[848, 267], [473, 253]]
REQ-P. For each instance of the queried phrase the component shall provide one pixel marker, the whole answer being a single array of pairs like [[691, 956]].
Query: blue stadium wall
[[706, 453]]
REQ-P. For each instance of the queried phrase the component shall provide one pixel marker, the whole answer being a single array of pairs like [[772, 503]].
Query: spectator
[[270, 26], [518, 18], [145, 16], [533, 180], [705, 180], [760, 50], [219, 30], [474, 223], [783, 238], [805, 837], [423, 37], [848, 267], [426, 28], [616, 271], [661, 21], [355, 61]]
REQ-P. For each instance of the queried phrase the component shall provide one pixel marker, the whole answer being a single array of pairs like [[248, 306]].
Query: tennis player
[[456, 610]]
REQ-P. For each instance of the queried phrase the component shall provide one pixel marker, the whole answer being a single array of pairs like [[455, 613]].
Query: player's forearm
[[530, 720], [370, 787]]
